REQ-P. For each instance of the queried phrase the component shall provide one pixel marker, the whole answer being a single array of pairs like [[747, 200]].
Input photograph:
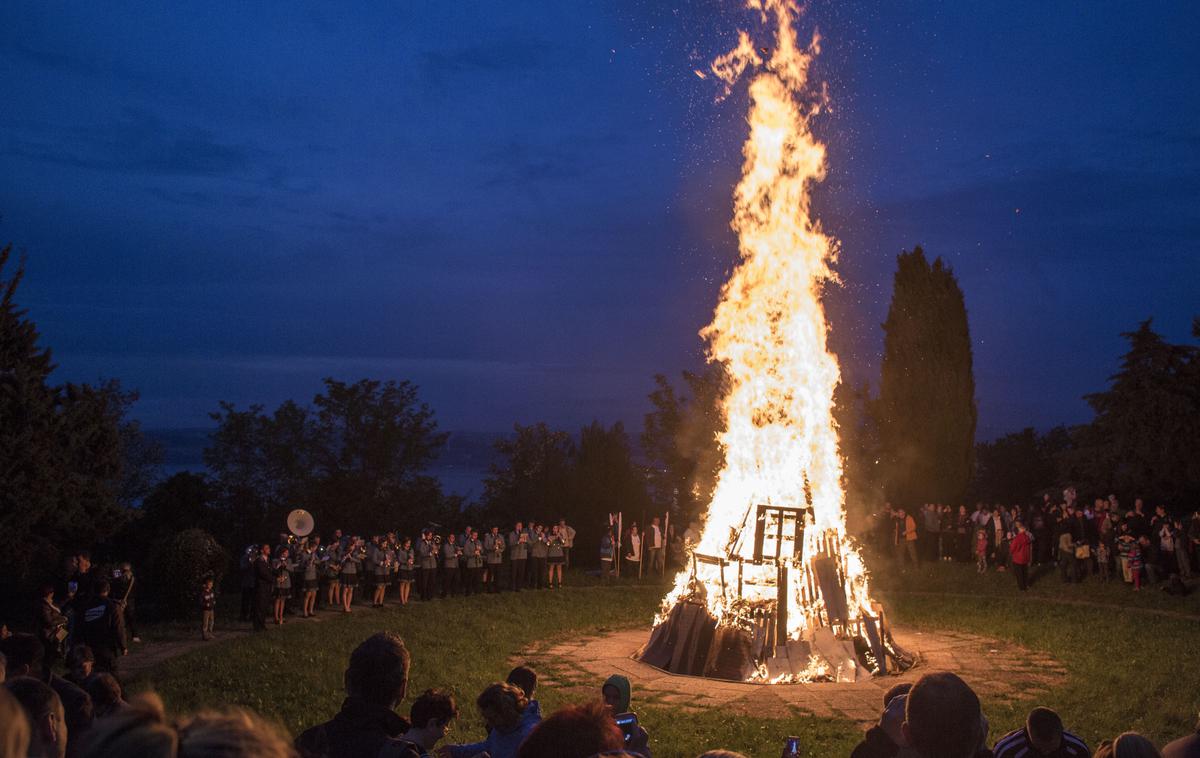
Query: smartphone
[[628, 723], [72, 587], [791, 748]]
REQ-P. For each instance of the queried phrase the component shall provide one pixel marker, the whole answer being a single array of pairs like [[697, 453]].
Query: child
[[981, 547], [1135, 564], [208, 606], [1102, 557]]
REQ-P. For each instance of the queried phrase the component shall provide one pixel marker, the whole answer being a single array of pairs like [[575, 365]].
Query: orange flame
[[769, 329]]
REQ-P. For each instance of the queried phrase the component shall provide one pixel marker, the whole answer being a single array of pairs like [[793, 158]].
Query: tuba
[[300, 522]]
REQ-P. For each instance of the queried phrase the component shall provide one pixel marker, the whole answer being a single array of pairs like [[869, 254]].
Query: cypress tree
[[926, 410]]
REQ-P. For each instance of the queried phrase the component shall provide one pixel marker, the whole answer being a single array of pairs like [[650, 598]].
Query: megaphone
[[300, 522]]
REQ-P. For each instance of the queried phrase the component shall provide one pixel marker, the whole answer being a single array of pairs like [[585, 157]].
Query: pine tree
[[926, 410], [1144, 437]]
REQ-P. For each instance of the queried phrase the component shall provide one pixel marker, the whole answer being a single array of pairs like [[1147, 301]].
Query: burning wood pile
[[752, 641]]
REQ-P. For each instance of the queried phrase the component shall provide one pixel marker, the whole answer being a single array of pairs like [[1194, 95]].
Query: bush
[[176, 568]]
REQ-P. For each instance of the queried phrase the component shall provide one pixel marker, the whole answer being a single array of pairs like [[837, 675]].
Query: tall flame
[[769, 329]]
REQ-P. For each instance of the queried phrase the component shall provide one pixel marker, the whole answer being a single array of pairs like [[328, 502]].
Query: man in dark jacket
[[102, 628], [376, 681], [264, 587]]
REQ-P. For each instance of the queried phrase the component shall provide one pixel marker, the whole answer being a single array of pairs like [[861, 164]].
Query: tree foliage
[[71, 464], [680, 441], [1146, 430], [543, 474], [355, 457], [926, 410]]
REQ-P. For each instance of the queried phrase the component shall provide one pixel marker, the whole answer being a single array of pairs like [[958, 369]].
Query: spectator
[[721, 754], [102, 627], [52, 625], [981, 550], [208, 608], [376, 681], [1042, 735], [617, 694], [526, 679], [943, 718], [105, 692], [1021, 554], [44, 712], [232, 734], [24, 654], [505, 710], [431, 716], [1128, 745], [80, 665], [885, 739], [1184, 747], [139, 730], [14, 727], [577, 731]]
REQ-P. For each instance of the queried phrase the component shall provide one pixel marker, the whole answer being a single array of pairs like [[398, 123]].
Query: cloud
[[140, 143], [499, 57]]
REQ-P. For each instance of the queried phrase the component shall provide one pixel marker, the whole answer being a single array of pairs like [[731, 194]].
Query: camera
[[791, 748], [628, 723]]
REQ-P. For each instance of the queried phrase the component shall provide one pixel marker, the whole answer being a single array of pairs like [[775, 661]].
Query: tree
[[926, 410], [356, 457], [1146, 431], [606, 480], [858, 442], [533, 477], [1014, 468], [680, 441], [67, 452]]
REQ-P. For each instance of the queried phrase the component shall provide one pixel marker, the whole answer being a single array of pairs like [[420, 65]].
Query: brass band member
[[493, 550], [451, 554], [518, 552]]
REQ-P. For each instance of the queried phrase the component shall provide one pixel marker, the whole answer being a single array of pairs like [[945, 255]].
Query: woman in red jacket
[[1020, 553]]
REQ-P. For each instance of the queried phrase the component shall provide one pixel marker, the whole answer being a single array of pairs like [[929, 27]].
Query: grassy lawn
[[1127, 668]]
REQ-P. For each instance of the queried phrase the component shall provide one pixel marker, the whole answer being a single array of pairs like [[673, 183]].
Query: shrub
[[176, 568]]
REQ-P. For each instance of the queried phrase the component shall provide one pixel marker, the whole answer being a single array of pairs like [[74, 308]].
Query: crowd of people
[[302, 574], [45, 716], [1099, 539]]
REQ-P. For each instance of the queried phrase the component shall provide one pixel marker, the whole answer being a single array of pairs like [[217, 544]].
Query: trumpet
[[437, 540]]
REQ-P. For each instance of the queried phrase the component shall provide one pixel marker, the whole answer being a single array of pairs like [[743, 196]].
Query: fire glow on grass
[[769, 329]]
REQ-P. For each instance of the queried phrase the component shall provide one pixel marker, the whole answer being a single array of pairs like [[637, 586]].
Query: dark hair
[[378, 670], [80, 654], [943, 716], [436, 705], [105, 692], [525, 678], [24, 649], [1043, 724], [103, 587], [577, 731], [505, 699], [34, 695], [896, 691]]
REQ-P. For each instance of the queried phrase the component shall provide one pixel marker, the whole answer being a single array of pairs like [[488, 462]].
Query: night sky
[[524, 207]]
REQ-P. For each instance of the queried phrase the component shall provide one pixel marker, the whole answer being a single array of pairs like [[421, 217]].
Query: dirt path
[[1061, 601]]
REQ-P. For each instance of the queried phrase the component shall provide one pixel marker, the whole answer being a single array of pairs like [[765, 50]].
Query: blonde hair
[[14, 727], [235, 733]]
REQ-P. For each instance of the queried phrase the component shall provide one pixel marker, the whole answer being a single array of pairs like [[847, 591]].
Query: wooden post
[[620, 553]]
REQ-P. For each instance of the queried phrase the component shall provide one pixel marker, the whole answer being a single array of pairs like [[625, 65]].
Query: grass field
[[1129, 664]]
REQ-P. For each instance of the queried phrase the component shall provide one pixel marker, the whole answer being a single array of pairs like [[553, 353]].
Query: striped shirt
[[1016, 744]]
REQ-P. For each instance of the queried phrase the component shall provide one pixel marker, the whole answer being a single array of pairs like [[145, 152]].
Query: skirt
[[311, 585], [406, 575], [554, 560], [283, 593], [349, 580]]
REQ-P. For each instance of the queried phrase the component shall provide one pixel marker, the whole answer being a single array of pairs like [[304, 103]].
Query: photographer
[[617, 694]]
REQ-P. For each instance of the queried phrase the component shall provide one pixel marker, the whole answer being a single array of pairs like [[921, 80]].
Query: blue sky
[[524, 207]]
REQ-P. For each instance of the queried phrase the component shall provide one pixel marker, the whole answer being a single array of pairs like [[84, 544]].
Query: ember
[[776, 590]]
